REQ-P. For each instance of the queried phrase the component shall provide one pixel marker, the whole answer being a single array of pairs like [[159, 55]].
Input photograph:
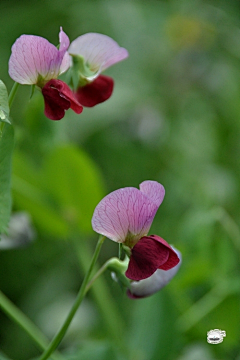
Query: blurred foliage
[[174, 117], [62, 193]]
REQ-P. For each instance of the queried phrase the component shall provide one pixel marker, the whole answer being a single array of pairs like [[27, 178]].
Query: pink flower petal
[[63, 54], [125, 215], [95, 92], [66, 63], [33, 58], [159, 279], [99, 51], [64, 41], [58, 97], [146, 257], [153, 190]]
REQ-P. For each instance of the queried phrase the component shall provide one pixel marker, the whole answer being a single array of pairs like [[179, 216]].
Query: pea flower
[[93, 53], [35, 61], [125, 216], [159, 279]]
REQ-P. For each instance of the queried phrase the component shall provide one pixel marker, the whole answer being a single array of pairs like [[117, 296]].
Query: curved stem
[[60, 334], [115, 265], [12, 94], [25, 323], [108, 308], [96, 276]]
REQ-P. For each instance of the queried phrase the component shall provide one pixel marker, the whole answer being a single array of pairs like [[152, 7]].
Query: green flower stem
[[96, 276], [108, 308], [60, 334], [25, 323], [115, 265], [12, 94]]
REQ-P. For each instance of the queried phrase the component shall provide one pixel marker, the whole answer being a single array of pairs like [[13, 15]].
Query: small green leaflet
[[6, 148], [4, 108]]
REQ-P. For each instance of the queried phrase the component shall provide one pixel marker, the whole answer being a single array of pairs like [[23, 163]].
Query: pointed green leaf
[[6, 148], [4, 108]]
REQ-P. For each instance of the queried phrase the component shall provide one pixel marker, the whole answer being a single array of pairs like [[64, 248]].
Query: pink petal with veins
[[124, 215], [65, 58], [64, 41], [98, 50], [33, 56], [153, 190]]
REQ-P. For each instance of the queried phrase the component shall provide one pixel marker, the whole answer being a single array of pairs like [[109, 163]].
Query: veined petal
[[64, 57], [153, 190], [98, 50], [65, 64], [125, 215], [159, 279], [63, 41], [33, 57]]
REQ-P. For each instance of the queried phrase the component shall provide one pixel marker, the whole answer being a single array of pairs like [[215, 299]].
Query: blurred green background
[[174, 117]]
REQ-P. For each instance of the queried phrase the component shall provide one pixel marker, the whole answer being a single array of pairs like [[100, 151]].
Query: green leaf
[[6, 148], [4, 108]]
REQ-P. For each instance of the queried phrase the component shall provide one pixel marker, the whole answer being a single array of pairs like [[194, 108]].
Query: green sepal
[[81, 73], [6, 149], [4, 107], [126, 250], [119, 268], [32, 90]]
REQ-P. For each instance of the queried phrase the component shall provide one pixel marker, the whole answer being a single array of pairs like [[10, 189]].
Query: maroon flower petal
[[155, 282], [58, 97], [147, 256], [96, 92], [173, 258]]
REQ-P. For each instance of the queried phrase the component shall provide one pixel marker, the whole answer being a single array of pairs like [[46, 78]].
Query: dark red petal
[[146, 257], [96, 92], [173, 258], [58, 97]]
